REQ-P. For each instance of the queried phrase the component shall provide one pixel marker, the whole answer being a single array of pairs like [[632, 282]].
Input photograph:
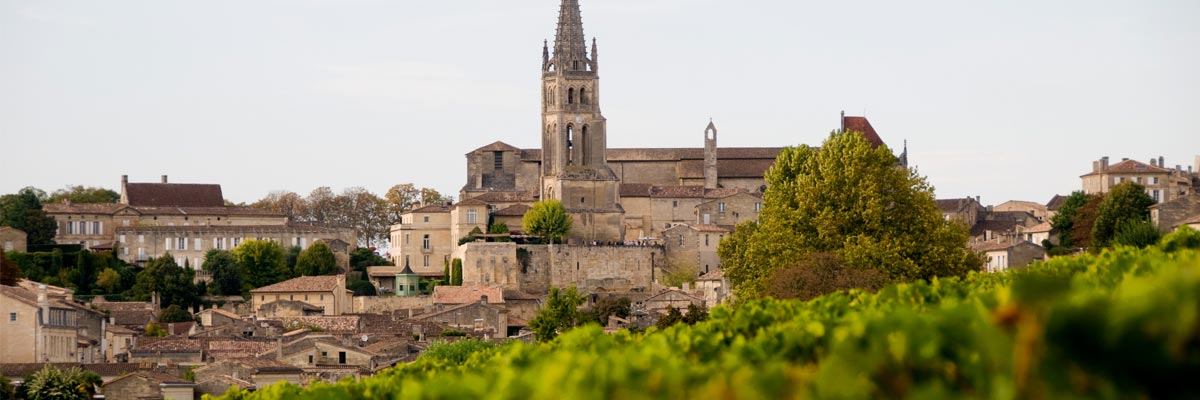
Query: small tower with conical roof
[[408, 283]]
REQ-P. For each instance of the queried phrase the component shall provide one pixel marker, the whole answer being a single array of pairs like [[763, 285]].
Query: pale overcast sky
[[1004, 99]]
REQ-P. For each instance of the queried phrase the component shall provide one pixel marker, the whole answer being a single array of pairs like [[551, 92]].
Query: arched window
[[570, 144], [584, 144], [571, 96], [583, 99]]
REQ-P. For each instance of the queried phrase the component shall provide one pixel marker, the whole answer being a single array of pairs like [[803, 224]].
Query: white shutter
[[168, 244], [198, 244], [215, 246], [303, 243], [101, 228]]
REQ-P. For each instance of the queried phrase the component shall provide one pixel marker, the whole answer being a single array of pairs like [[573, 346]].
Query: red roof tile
[[174, 195], [327, 283], [467, 294], [861, 125]]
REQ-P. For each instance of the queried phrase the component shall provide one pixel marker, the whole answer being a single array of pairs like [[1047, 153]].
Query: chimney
[[43, 300], [1103, 163], [124, 180], [1095, 166], [1153, 162], [1162, 163], [164, 179]]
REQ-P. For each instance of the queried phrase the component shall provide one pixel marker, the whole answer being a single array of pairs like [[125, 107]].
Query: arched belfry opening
[[571, 96], [570, 144], [583, 99], [585, 145]]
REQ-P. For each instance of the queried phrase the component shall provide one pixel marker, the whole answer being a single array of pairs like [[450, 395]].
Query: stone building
[[1005, 255], [43, 324], [1169, 215], [477, 316], [968, 210], [325, 293], [185, 219], [1038, 210], [422, 239], [148, 385], [613, 195], [694, 247], [1161, 183], [13, 239]]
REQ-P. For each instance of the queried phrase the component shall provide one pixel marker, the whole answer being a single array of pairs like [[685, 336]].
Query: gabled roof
[[1055, 202], [668, 292], [327, 283], [714, 275], [161, 378], [1000, 226], [471, 202], [1130, 167], [431, 209], [861, 125], [516, 210], [953, 205], [496, 146], [173, 195]]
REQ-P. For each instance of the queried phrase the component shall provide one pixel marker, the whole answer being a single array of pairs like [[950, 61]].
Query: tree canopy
[[548, 219], [560, 313], [225, 272], [23, 211], [80, 194], [1125, 203], [851, 200], [262, 262], [355, 207], [318, 259], [172, 282]]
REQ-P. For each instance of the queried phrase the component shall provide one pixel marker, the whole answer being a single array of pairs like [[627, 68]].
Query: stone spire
[[570, 46]]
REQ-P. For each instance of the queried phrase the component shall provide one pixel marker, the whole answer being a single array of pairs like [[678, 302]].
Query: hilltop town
[[299, 298]]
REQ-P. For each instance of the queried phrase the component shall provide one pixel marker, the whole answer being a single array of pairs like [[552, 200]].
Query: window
[[1154, 194], [182, 243], [406, 237], [426, 260], [583, 96], [8, 245], [197, 244], [498, 160], [97, 227], [425, 243], [141, 238], [70, 228], [758, 206], [721, 207], [322, 297], [12, 316], [124, 250], [674, 203], [167, 243], [124, 222], [471, 216], [571, 96], [427, 219], [706, 240], [341, 357], [1154, 180], [141, 253], [680, 240], [706, 219], [121, 239], [1137, 180], [310, 359]]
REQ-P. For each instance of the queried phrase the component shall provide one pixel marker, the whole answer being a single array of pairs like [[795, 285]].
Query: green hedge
[[1121, 324]]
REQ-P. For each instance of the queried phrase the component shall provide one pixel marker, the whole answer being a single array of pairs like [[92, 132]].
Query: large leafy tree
[[318, 259], [1125, 203], [23, 211], [172, 282], [51, 383], [548, 219], [225, 272], [10, 272], [560, 313], [262, 262], [1064, 220], [84, 194], [851, 200]]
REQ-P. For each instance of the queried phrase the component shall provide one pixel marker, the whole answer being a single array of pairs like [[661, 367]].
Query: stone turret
[[710, 156]]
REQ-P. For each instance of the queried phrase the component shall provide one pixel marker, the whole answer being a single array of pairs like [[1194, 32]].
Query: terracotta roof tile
[[677, 191], [861, 125], [471, 202], [106, 369], [990, 246], [327, 283], [168, 344], [1131, 167], [714, 275], [431, 209], [635, 189], [327, 323], [174, 194]]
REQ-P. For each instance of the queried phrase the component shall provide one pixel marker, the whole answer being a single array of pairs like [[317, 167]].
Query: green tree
[[851, 200], [817, 274], [23, 211], [51, 383], [10, 272], [262, 262], [695, 314], [499, 228], [548, 219], [7, 392], [364, 257], [672, 317], [172, 283], [1084, 220], [153, 329], [1064, 220], [318, 259], [561, 312], [1125, 203], [619, 307], [225, 273], [80, 194], [175, 313], [359, 286], [1137, 234], [109, 280], [293, 255], [456, 271]]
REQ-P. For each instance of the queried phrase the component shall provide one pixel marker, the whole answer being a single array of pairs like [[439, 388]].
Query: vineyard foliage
[[1121, 324]]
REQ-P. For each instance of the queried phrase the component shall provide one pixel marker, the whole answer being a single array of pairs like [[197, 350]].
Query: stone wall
[[389, 304], [592, 269]]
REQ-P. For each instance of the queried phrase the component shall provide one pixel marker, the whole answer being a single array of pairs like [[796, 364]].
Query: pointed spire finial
[[569, 43]]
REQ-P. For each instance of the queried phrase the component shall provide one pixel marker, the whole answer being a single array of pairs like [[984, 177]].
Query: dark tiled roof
[[327, 283], [635, 189], [168, 345], [109, 209], [677, 191], [20, 294], [993, 226], [517, 210], [472, 202], [174, 195], [952, 205], [861, 125], [990, 246], [1055, 202]]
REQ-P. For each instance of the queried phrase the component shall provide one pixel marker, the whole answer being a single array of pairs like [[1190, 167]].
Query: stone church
[[614, 195]]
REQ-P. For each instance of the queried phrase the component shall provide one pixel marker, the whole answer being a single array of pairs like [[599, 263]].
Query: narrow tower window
[[583, 96], [584, 144], [570, 144], [571, 96]]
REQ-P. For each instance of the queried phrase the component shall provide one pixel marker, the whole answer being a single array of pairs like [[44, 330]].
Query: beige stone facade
[[188, 243], [1004, 256], [694, 247], [1161, 183], [327, 293], [423, 241], [12, 239], [43, 324], [1169, 215]]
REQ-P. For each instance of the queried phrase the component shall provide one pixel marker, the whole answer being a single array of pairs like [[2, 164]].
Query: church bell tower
[[574, 142]]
